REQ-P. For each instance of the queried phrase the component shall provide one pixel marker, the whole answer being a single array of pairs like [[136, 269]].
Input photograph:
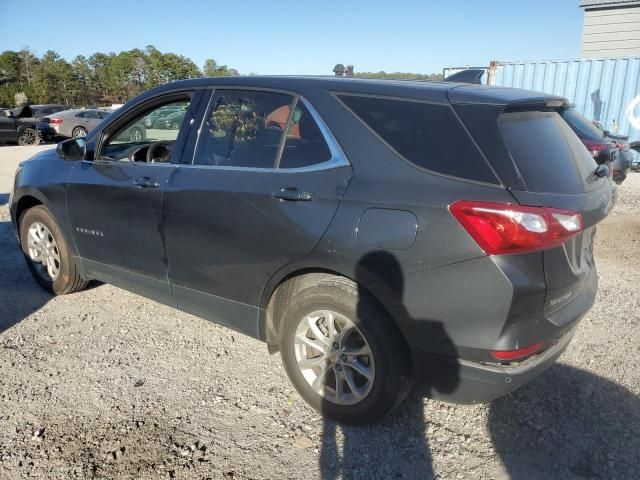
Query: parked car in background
[[40, 111], [170, 121], [18, 126], [408, 234], [622, 164], [604, 150], [78, 123], [158, 114], [635, 161], [70, 123]]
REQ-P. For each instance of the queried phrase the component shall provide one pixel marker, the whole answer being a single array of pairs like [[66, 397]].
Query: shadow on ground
[[4, 198], [20, 295], [346, 450], [568, 423]]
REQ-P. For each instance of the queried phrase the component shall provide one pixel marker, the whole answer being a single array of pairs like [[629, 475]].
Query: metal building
[[607, 90], [611, 28]]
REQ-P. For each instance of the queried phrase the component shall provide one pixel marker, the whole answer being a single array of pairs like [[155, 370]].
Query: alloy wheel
[[135, 135], [334, 357], [28, 137], [43, 251], [79, 133]]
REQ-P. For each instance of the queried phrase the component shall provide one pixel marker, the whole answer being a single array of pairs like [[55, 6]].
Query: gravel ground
[[106, 384]]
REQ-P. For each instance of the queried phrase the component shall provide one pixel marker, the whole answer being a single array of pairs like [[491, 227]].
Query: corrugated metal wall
[[607, 90]]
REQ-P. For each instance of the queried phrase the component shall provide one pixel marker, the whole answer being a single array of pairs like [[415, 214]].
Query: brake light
[[502, 228], [595, 148], [55, 120], [519, 354]]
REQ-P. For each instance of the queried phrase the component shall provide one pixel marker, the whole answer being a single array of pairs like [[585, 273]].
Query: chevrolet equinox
[[380, 235]]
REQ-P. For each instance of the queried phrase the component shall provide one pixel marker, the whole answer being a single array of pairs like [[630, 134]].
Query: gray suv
[[380, 235]]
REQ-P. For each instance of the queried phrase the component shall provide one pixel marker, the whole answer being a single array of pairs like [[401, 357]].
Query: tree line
[[100, 79], [399, 75], [106, 78]]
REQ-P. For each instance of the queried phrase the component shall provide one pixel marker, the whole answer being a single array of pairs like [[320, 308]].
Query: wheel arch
[[25, 203], [283, 287]]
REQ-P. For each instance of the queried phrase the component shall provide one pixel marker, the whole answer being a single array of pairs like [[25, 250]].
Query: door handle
[[145, 182], [292, 194]]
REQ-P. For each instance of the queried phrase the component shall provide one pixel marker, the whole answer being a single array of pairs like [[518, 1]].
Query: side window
[[81, 115], [140, 132], [305, 145], [427, 135], [243, 129]]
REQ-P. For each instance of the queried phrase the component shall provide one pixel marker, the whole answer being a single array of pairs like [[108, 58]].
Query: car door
[[253, 199], [92, 119], [114, 201], [7, 127]]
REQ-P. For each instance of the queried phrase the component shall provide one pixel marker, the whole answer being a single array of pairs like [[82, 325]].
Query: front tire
[[47, 254], [343, 353]]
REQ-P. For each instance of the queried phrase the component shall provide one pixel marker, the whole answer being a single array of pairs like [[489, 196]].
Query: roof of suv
[[419, 90]]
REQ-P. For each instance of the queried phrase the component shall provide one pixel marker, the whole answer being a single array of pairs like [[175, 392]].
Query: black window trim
[[500, 184], [338, 158]]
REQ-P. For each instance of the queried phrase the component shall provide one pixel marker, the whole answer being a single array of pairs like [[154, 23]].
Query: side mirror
[[635, 146], [73, 149]]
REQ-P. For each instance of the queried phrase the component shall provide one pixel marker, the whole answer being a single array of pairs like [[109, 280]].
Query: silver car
[[73, 123]]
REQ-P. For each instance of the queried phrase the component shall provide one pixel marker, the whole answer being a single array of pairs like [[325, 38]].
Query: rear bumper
[[47, 132], [472, 382]]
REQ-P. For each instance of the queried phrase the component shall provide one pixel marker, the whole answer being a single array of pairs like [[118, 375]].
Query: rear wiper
[[602, 171]]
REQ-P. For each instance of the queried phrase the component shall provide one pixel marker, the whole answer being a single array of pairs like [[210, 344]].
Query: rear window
[[548, 154], [427, 135]]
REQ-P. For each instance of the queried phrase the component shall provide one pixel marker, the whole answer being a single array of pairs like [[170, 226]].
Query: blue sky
[[303, 37]]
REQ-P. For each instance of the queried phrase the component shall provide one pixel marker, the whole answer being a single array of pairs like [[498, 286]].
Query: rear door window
[[427, 135], [305, 145], [546, 151], [242, 130]]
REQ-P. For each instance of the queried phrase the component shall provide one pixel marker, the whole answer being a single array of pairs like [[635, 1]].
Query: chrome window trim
[[338, 158]]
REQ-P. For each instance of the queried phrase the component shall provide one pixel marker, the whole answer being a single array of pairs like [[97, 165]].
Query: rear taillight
[[502, 228], [595, 148], [55, 121], [519, 354]]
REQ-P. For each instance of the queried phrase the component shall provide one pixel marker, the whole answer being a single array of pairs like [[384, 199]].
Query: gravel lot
[[106, 384]]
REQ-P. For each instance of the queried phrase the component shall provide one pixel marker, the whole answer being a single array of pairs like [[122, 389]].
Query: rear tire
[[79, 132], [47, 254], [29, 136], [385, 361], [136, 135]]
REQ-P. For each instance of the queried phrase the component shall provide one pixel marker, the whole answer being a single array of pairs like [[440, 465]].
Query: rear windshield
[[427, 135], [546, 151], [582, 126]]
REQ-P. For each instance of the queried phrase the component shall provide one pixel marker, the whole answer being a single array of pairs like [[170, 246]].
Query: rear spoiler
[[470, 75]]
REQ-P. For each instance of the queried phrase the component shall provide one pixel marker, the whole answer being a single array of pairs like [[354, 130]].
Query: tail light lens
[[513, 355], [595, 148], [502, 228], [55, 121]]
